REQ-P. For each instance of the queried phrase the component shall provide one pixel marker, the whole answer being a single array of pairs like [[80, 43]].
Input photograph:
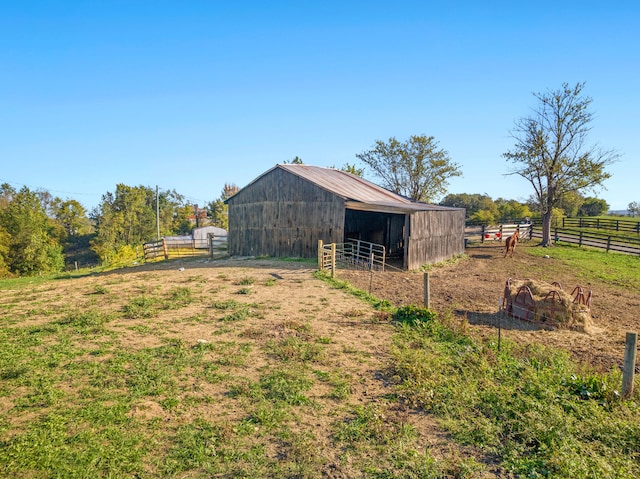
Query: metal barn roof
[[357, 192]]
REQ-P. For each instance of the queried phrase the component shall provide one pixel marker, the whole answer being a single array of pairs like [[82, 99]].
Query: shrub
[[413, 315]]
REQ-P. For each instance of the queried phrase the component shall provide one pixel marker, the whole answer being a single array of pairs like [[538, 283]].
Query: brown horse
[[511, 242]]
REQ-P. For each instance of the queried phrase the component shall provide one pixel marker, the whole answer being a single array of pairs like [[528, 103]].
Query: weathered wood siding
[[282, 215], [435, 236]]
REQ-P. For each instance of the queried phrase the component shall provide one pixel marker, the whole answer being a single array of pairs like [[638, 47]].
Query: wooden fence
[[609, 242], [623, 226], [184, 246], [620, 244], [484, 233], [154, 249]]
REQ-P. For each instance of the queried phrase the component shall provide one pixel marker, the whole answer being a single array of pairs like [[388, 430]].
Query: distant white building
[[201, 236]]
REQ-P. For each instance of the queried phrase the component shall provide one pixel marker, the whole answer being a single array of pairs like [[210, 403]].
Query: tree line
[[482, 209], [41, 234]]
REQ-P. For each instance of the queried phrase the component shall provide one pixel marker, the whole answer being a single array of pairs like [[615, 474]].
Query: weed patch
[[527, 405]]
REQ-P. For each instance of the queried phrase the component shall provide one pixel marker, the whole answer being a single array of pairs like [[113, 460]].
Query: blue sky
[[190, 95]]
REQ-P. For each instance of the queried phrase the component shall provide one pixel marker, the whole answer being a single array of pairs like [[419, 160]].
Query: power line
[[36, 188], [31, 187]]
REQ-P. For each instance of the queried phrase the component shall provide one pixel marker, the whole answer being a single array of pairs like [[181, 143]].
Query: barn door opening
[[379, 228]]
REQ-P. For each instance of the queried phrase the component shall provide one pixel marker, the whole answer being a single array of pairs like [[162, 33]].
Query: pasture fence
[[608, 242], [185, 246], [622, 243], [485, 233], [622, 226], [154, 249]]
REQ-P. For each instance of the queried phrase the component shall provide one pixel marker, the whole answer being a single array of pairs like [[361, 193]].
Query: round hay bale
[[553, 306]]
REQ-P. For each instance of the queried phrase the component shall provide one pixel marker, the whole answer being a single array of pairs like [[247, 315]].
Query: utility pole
[[157, 214]]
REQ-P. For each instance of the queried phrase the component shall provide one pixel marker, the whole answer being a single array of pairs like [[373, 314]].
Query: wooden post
[[164, 249], [500, 313], [371, 273], [320, 252], [333, 260], [427, 302], [629, 368]]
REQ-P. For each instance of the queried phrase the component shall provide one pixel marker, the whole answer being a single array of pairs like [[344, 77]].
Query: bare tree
[[551, 152]]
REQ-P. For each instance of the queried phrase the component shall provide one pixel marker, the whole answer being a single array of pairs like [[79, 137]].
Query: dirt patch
[[473, 287]]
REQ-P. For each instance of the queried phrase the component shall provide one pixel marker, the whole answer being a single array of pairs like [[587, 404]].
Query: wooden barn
[[286, 210]]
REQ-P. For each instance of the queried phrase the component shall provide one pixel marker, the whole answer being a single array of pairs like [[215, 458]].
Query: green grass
[[531, 406], [87, 393], [380, 304], [591, 264]]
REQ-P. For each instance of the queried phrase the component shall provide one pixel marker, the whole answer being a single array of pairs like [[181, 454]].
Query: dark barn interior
[[386, 229]]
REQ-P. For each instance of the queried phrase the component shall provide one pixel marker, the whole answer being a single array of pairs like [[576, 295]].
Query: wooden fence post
[[164, 249], [629, 368], [427, 302], [320, 254], [372, 258], [333, 260]]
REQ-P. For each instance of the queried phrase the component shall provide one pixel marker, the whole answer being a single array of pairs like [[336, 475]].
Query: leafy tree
[[72, 217], [353, 169], [512, 210], [7, 193], [5, 238], [219, 210], [571, 202], [295, 161], [634, 208], [593, 207], [175, 213], [124, 218], [485, 217], [416, 168], [472, 203], [48, 201], [30, 247], [550, 150]]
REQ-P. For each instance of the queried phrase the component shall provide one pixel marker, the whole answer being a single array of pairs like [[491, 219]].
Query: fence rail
[[500, 232], [352, 254], [154, 249], [620, 244], [608, 242], [602, 223], [180, 246]]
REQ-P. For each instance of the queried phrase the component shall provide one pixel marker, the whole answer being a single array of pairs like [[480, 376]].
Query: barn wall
[[282, 215], [435, 236]]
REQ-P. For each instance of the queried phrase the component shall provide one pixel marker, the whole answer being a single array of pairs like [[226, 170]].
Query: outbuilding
[[287, 209]]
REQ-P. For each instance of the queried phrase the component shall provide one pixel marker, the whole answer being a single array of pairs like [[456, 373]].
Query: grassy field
[[591, 263], [236, 371]]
